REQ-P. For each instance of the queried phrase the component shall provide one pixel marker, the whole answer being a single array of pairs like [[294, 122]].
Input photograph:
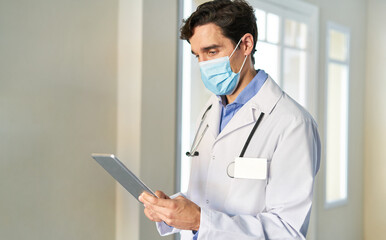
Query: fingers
[[151, 215], [157, 209], [149, 199], [179, 212], [163, 211]]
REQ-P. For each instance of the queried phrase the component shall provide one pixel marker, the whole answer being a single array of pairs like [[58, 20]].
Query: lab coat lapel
[[243, 117], [264, 101], [268, 96]]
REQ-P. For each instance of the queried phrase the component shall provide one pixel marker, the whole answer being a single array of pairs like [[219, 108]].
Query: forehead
[[207, 35]]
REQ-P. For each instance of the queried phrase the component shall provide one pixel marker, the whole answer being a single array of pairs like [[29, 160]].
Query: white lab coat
[[276, 208]]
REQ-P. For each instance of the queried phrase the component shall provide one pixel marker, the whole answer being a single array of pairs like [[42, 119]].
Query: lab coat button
[[207, 201], [213, 157]]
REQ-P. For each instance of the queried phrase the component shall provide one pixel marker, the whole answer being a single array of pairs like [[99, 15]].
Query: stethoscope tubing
[[246, 143], [193, 152]]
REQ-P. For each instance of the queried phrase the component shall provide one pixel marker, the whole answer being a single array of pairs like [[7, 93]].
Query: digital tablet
[[122, 174]]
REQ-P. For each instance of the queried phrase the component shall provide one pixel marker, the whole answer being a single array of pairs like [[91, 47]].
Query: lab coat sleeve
[[293, 167], [164, 229]]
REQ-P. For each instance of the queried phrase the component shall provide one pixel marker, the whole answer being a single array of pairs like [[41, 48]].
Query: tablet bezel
[[122, 174]]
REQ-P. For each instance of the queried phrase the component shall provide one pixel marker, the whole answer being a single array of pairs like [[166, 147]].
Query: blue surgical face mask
[[218, 76]]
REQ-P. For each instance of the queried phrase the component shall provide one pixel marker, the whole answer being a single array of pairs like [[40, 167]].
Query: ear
[[247, 44]]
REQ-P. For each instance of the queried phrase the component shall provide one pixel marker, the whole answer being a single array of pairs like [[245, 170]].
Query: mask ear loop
[[245, 59], [239, 73], [237, 45]]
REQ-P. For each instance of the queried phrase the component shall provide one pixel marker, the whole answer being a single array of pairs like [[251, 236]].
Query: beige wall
[[158, 105], [375, 120], [147, 81], [57, 105], [129, 111], [65, 92]]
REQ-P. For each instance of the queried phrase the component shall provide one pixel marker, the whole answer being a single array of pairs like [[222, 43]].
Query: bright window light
[[337, 115]]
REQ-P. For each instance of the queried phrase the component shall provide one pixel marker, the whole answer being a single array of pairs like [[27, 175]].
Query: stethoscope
[[196, 142], [193, 152]]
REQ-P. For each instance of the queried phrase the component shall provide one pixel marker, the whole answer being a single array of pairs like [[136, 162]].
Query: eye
[[212, 52]]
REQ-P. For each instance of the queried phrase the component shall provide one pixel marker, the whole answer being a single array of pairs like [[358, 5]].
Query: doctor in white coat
[[257, 151]]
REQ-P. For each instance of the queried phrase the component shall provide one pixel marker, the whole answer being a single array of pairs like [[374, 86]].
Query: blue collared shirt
[[229, 110]]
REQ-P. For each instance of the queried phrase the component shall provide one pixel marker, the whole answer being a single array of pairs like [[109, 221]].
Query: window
[[283, 48], [338, 39], [286, 50]]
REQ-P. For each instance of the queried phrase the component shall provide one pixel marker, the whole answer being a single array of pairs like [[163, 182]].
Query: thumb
[[161, 194]]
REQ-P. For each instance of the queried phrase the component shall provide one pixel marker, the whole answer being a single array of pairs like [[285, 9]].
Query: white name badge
[[250, 168]]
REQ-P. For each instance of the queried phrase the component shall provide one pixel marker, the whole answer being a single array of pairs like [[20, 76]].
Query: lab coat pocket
[[246, 193], [251, 168]]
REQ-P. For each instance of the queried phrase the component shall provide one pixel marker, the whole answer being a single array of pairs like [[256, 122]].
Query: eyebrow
[[207, 48]]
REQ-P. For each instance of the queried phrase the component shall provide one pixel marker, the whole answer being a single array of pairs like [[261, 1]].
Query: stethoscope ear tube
[[193, 152], [231, 166], [251, 134]]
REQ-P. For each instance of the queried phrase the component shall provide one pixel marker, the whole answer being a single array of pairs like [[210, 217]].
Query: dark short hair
[[235, 18]]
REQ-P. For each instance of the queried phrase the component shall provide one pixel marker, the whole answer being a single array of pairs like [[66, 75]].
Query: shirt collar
[[250, 90]]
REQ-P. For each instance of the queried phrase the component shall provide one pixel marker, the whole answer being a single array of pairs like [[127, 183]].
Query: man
[[253, 174]]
